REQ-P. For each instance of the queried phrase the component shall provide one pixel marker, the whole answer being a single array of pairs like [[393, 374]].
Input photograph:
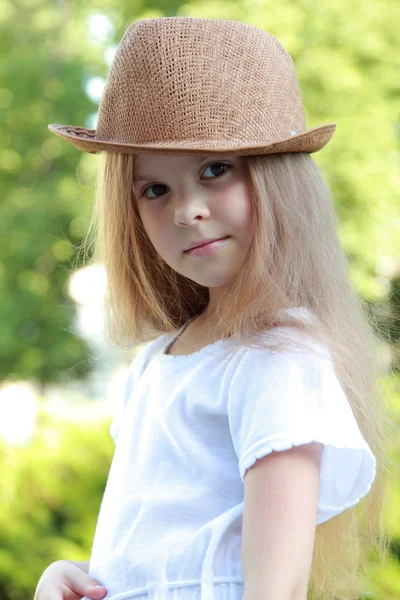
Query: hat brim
[[310, 140]]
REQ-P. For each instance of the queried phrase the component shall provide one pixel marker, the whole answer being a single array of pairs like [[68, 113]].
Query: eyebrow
[[143, 177]]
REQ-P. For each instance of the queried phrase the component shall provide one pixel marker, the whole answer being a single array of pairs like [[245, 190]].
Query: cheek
[[156, 229], [148, 220], [239, 209]]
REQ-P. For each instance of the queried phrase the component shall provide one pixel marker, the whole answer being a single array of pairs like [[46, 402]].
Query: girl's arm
[[281, 492]]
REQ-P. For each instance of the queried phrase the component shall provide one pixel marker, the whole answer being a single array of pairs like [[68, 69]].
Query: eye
[[217, 165], [157, 186]]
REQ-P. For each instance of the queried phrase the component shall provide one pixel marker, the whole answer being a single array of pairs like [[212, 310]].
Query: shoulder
[[284, 367], [287, 343], [147, 351]]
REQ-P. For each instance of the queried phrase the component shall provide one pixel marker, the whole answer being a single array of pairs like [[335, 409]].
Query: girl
[[251, 425]]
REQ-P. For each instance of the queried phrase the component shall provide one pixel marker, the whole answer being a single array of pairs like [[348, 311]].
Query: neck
[[218, 296]]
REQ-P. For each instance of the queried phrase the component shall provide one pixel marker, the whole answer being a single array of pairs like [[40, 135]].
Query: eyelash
[[229, 167]]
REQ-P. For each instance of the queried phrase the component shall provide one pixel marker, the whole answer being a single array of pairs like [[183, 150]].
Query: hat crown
[[194, 82]]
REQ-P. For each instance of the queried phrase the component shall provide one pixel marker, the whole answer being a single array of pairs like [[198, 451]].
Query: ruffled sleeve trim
[[347, 470]]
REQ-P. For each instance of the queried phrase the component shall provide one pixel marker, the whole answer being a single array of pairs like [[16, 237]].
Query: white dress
[[187, 429]]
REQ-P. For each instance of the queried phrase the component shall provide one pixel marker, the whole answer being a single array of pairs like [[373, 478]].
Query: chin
[[213, 282]]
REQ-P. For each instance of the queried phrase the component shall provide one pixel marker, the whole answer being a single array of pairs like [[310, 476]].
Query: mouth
[[204, 243]]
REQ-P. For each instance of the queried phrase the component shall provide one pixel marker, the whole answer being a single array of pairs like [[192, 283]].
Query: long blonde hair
[[295, 260]]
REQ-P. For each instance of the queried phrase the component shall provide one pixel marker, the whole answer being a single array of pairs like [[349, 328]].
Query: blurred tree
[[44, 206]]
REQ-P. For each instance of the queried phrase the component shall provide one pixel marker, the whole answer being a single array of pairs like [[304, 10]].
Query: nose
[[190, 208]]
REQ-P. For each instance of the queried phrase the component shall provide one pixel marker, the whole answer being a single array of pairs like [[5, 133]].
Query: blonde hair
[[295, 260]]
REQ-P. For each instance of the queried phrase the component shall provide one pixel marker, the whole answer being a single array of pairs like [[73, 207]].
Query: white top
[[187, 429]]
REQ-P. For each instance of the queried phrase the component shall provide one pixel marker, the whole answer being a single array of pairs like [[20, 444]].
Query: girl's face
[[189, 200]]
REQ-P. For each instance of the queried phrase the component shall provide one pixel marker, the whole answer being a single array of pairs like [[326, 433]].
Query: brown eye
[[156, 187], [217, 166]]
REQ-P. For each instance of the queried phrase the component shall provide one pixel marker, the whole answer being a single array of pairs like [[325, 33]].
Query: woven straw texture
[[185, 85]]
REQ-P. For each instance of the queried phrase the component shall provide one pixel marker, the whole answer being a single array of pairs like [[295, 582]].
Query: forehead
[[154, 160]]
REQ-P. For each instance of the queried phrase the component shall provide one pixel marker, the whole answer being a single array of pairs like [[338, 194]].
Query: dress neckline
[[303, 312], [196, 353]]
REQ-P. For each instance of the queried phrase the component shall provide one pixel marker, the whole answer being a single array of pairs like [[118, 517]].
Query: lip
[[206, 247], [204, 242]]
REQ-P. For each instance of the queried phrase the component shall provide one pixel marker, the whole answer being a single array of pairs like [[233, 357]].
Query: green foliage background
[[347, 60]]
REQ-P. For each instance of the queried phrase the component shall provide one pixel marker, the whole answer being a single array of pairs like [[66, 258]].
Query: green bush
[[50, 495]]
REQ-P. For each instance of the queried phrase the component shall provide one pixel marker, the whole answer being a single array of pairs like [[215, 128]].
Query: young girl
[[251, 424]]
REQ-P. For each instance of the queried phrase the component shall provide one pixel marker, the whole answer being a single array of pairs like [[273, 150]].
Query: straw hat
[[184, 85]]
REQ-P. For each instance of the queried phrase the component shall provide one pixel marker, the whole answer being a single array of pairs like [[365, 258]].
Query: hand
[[63, 580]]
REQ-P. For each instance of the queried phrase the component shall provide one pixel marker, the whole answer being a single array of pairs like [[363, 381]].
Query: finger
[[95, 592], [70, 595], [88, 587]]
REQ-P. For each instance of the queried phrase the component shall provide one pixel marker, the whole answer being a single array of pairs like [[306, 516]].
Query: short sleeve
[[278, 400]]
